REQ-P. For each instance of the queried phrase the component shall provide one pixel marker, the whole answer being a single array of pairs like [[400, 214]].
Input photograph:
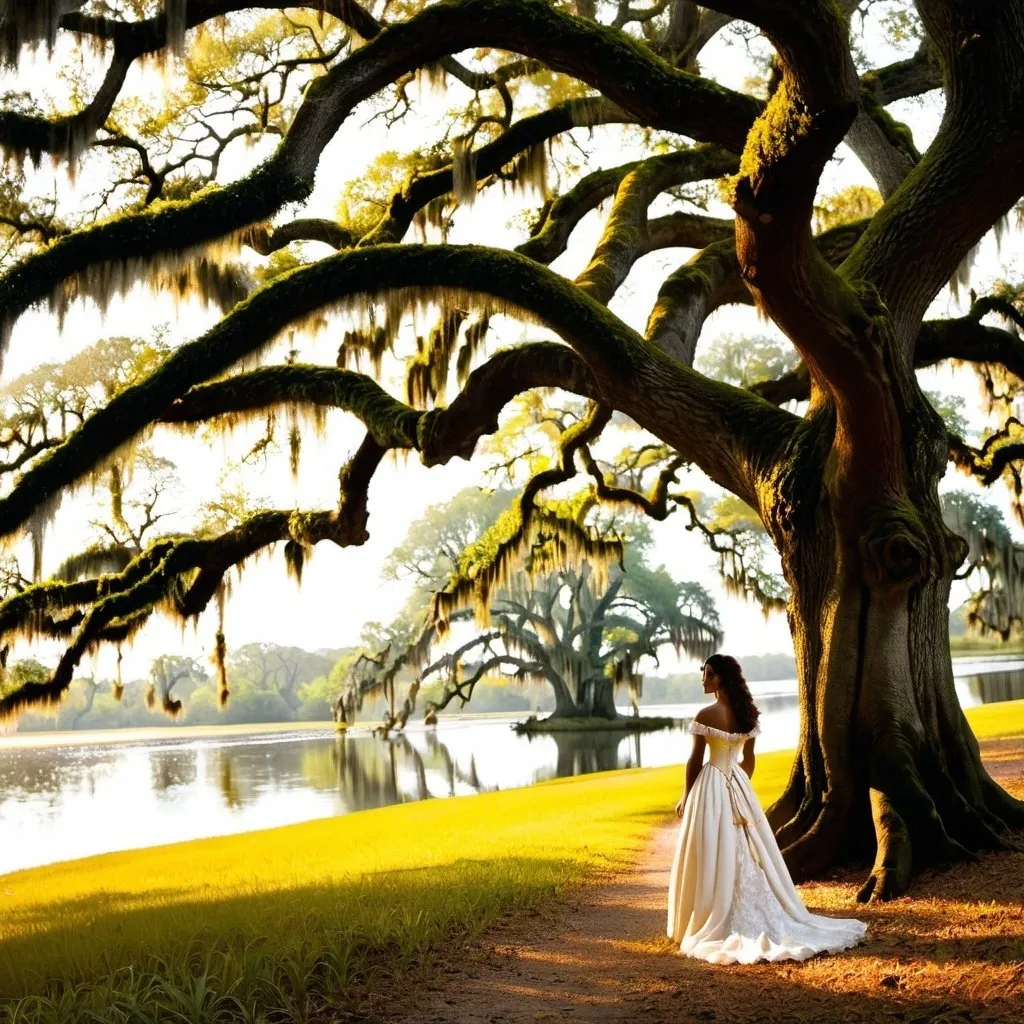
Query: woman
[[730, 897]]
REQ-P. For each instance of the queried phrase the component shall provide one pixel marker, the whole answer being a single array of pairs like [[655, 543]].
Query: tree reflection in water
[[580, 753], [995, 686], [169, 768], [226, 778], [373, 771]]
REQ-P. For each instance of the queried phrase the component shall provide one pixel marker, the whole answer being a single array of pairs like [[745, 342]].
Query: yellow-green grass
[[985, 645], [294, 917]]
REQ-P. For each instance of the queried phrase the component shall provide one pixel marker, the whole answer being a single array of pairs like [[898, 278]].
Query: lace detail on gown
[[731, 899]]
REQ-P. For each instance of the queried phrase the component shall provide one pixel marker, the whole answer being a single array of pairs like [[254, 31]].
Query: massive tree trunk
[[565, 703], [600, 698], [851, 501], [594, 698], [886, 760]]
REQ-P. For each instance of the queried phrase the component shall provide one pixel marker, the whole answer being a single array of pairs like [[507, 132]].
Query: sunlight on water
[[59, 802]]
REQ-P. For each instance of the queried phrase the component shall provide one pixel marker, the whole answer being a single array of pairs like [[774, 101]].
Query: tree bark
[[600, 698], [565, 703], [886, 761]]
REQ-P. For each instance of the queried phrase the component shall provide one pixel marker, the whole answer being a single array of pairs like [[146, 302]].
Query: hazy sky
[[342, 589]]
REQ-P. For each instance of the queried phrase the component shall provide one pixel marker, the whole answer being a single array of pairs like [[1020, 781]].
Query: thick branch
[[711, 279], [603, 58], [302, 229], [440, 434], [971, 175], [625, 234], [905, 78], [491, 158], [964, 339], [65, 136]]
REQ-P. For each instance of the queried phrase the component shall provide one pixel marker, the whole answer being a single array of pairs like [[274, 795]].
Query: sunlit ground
[[295, 916]]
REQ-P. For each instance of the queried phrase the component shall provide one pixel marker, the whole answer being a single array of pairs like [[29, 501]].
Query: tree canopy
[[837, 451]]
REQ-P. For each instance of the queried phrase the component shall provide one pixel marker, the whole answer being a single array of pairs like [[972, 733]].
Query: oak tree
[[583, 631], [839, 458]]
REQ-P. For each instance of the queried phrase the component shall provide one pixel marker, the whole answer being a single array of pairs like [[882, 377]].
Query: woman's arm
[[693, 767], [747, 762]]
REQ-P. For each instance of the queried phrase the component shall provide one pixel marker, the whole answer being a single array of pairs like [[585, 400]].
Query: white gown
[[730, 896]]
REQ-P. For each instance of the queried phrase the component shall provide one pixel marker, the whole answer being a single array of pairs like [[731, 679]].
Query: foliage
[[269, 683], [951, 409], [744, 360], [854, 203]]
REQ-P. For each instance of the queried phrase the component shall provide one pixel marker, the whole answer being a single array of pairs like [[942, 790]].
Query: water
[[68, 801]]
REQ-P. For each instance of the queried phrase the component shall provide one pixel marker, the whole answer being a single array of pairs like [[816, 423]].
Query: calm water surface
[[62, 802]]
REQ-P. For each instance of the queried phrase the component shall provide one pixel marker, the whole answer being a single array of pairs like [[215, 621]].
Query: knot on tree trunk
[[895, 549]]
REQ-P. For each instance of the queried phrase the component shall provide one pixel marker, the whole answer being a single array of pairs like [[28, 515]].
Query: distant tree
[[90, 688], [272, 668], [582, 631], [581, 636], [168, 671]]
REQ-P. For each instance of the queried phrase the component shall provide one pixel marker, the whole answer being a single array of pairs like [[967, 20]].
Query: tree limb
[[603, 58], [971, 175], [439, 435], [709, 422]]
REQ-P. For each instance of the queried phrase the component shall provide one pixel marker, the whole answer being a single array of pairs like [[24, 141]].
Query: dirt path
[[599, 955]]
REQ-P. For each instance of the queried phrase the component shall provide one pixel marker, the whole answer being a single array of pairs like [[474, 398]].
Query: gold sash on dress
[[738, 817]]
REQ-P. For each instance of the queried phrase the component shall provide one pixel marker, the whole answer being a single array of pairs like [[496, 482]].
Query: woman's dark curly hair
[[730, 679]]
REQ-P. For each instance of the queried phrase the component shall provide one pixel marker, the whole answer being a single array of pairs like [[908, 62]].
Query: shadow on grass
[[257, 947]]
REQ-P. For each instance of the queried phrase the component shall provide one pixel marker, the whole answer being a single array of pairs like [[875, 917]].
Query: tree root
[[975, 828], [895, 773], [1008, 809], [820, 845], [890, 874]]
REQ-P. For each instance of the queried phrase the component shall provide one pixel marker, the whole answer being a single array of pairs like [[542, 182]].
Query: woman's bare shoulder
[[717, 715]]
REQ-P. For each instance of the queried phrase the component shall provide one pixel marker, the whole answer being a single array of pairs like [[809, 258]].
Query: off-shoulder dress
[[730, 897]]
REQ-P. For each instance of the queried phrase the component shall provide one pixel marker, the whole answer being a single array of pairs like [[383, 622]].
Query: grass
[[992, 645], [285, 924]]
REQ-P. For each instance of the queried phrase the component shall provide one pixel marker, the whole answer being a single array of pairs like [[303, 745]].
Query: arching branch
[[178, 575], [603, 58], [712, 424], [440, 435], [962, 339], [971, 175], [626, 230], [490, 158], [65, 136], [711, 279]]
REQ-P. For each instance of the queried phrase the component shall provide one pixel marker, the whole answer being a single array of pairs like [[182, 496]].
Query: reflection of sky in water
[[57, 803]]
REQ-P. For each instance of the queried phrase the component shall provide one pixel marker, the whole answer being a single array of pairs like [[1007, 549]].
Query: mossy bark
[[887, 764]]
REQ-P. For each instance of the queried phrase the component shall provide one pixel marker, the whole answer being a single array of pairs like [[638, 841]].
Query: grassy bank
[[280, 925], [976, 645]]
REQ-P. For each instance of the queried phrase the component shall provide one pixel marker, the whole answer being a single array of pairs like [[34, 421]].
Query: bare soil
[[952, 952]]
